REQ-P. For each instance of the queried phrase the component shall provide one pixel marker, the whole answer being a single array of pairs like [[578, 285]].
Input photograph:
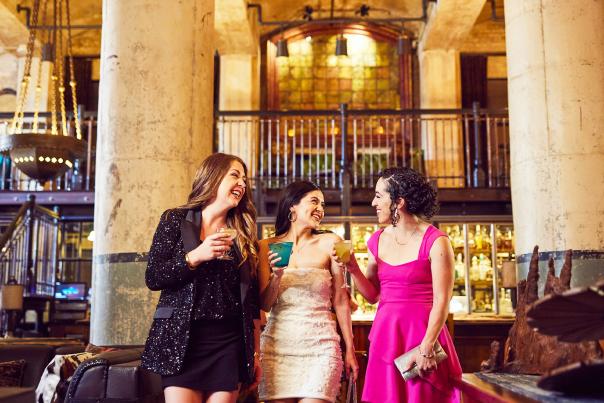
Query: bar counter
[[472, 335]]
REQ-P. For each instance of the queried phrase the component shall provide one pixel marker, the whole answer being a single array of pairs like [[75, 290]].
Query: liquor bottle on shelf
[[460, 267], [486, 238], [478, 238], [471, 241], [487, 303], [485, 267], [508, 240], [455, 234], [505, 302], [474, 269]]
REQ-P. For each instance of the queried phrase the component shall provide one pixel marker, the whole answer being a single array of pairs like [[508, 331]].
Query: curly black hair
[[414, 188]]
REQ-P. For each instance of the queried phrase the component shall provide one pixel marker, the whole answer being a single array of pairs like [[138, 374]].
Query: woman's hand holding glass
[[211, 248], [343, 254], [273, 260], [342, 251], [232, 234]]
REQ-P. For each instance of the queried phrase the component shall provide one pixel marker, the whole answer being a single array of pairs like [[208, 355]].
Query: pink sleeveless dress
[[400, 325]]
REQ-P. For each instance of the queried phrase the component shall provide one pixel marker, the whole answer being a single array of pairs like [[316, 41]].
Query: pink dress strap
[[431, 235], [372, 243]]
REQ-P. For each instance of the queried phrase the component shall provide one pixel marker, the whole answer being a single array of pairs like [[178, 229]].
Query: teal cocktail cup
[[284, 250]]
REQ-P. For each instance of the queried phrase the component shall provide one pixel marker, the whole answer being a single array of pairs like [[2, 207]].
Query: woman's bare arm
[[368, 285], [269, 282], [442, 265]]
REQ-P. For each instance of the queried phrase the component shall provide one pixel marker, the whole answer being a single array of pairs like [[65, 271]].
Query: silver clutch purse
[[402, 360]]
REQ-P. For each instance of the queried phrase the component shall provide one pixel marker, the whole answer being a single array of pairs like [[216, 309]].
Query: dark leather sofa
[[36, 356], [114, 376]]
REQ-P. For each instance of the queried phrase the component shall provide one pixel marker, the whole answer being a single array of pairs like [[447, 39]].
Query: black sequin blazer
[[167, 271]]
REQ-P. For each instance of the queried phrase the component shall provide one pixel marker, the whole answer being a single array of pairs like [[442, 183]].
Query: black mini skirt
[[214, 358]]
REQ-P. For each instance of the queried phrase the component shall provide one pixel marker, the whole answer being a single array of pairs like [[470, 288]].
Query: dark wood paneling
[[473, 341]]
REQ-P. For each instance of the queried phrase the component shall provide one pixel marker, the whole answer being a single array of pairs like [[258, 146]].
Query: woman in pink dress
[[410, 273]]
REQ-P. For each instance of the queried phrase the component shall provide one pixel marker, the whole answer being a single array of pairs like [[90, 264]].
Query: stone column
[[449, 24], [239, 91], [440, 88], [237, 41], [556, 99], [155, 127]]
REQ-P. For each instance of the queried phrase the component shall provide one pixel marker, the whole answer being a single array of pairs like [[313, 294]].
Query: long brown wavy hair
[[208, 177]]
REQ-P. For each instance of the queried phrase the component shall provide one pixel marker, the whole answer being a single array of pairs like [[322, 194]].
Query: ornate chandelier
[[45, 153]]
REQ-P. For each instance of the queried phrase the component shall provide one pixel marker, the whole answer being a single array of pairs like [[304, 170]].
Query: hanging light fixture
[[44, 154], [403, 44], [282, 50], [341, 46]]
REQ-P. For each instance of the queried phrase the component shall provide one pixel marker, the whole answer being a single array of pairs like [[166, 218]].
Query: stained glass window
[[312, 77]]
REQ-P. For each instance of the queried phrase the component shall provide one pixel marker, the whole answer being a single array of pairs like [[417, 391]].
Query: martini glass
[[232, 233]]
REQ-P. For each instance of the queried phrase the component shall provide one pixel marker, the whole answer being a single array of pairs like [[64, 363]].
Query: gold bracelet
[[191, 267], [426, 355]]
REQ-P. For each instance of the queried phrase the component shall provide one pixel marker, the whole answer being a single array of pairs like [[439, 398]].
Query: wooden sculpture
[[525, 350]]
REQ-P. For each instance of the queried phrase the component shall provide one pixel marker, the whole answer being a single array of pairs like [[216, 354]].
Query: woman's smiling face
[[233, 185], [310, 210], [381, 202]]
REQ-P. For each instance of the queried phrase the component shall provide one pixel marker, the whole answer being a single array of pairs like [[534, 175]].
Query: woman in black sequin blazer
[[205, 330]]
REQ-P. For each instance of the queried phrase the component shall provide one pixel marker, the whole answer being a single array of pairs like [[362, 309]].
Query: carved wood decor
[[527, 351]]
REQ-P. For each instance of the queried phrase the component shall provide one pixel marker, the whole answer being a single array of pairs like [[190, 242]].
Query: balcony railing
[[459, 148], [454, 148], [28, 249], [39, 247], [78, 178]]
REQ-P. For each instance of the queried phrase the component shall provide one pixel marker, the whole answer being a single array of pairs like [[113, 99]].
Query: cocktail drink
[[343, 250], [232, 233], [343, 253], [283, 250]]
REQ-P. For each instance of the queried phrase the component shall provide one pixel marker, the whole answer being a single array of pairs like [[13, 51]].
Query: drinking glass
[[343, 253], [283, 250], [232, 232]]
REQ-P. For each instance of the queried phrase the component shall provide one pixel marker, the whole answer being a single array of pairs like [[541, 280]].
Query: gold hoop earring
[[291, 217]]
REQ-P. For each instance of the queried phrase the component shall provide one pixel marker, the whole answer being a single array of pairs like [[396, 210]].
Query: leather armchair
[[114, 376], [37, 357]]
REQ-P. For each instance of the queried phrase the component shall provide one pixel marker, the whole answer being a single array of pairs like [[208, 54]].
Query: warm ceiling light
[[282, 48], [341, 46]]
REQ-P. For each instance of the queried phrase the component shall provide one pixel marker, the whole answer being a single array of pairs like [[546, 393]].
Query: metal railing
[[78, 178], [465, 148], [456, 148], [28, 249]]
